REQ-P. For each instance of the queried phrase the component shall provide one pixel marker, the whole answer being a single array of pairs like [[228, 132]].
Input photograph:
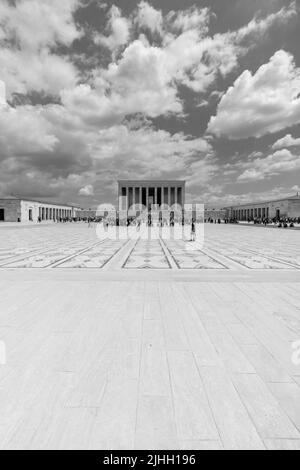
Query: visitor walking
[[193, 231]]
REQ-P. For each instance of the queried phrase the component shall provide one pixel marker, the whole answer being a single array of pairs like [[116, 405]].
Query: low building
[[85, 214], [288, 207], [24, 210], [215, 214]]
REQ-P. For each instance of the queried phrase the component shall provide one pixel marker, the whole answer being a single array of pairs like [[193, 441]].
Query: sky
[[94, 91]]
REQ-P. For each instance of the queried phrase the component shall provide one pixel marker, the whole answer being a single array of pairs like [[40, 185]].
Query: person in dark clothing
[[193, 231]]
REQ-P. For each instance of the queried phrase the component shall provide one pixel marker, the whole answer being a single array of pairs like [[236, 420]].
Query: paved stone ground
[[156, 345], [77, 246]]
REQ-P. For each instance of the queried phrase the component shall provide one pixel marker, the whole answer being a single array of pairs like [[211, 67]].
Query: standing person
[[193, 231]]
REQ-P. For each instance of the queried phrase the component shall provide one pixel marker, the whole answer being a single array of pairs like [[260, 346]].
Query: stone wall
[[294, 208], [282, 206], [16, 210], [12, 210]]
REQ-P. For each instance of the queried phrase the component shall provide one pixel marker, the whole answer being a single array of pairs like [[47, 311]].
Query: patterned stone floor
[[77, 246], [155, 345], [187, 255], [147, 255]]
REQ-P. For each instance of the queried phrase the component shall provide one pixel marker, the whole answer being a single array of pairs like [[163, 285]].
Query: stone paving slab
[[77, 246]]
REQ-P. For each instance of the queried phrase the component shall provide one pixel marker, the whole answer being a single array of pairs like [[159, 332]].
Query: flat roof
[[288, 198], [38, 202], [160, 182]]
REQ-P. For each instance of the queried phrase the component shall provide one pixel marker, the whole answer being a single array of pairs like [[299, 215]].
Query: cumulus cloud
[[143, 82], [24, 131], [29, 29], [55, 141], [87, 191], [258, 27], [2, 94], [47, 72], [197, 59], [221, 200], [118, 28], [191, 18], [274, 164], [89, 135], [34, 24], [187, 56], [149, 17], [149, 149], [261, 103], [286, 142]]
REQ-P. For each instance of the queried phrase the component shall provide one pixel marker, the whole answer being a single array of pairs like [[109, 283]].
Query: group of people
[[63, 220], [276, 222], [215, 221], [137, 223]]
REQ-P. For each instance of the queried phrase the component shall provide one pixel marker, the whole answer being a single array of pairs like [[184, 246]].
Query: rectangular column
[[119, 196], [155, 195], [162, 195], [147, 198], [127, 198], [169, 196], [133, 197], [176, 194], [141, 195]]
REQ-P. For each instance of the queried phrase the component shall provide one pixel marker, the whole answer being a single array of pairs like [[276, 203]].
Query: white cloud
[[228, 199], [36, 24], [93, 136], [263, 103], [257, 28], [285, 142], [25, 131], [141, 82], [198, 59], [47, 72], [2, 94], [87, 191], [274, 164], [186, 56], [119, 29], [28, 31], [149, 17], [148, 149], [55, 141], [192, 18]]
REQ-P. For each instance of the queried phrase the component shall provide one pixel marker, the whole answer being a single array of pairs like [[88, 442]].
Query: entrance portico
[[148, 193]]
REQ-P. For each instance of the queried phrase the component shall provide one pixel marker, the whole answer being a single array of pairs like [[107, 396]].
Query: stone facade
[[215, 214], [149, 193], [10, 210], [282, 208], [26, 211]]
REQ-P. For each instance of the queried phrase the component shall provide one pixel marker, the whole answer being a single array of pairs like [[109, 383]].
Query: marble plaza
[[149, 344]]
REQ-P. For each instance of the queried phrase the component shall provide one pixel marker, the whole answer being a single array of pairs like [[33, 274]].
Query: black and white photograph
[[149, 228]]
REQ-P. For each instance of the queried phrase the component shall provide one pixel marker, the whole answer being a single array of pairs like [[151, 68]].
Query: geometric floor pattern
[[147, 255], [188, 256], [77, 246], [96, 257], [156, 345]]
